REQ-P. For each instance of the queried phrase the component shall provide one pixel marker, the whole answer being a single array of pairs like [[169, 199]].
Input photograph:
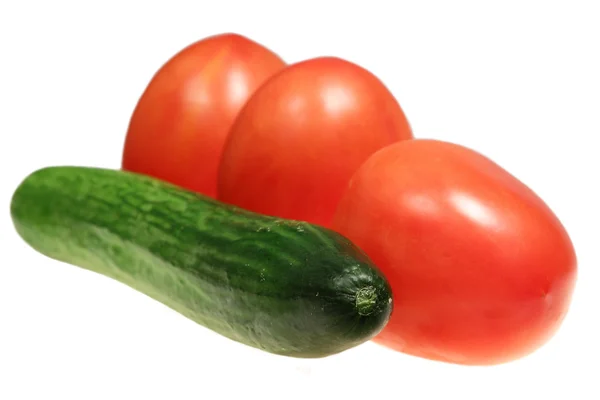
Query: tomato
[[301, 136], [179, 126], [481, 269]]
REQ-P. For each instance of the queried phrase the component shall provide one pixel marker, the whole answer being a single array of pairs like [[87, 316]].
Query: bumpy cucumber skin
[[285, 287]]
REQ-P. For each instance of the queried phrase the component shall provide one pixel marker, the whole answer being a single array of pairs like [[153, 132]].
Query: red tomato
[[481, 269], [301, 136], [181, 121]]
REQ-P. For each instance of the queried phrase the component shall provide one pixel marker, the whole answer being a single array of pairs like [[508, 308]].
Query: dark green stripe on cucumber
[[286, 287]]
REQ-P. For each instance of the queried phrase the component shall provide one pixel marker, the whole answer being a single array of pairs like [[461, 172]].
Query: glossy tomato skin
[[301, 136], [179, 126], [481, 269]]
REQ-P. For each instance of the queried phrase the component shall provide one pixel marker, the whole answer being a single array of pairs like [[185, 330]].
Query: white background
[[515, 80]]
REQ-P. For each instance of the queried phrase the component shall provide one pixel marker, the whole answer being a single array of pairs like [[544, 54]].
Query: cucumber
[[286, 287]]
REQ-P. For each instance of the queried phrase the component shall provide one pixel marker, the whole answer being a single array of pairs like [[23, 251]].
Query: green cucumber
[[286, 287]]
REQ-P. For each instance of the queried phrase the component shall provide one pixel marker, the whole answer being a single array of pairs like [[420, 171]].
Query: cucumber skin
[[285, 287]]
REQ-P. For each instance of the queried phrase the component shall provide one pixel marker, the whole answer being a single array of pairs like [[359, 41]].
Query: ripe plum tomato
[[481, 269], [301, 136], [178, 128]]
